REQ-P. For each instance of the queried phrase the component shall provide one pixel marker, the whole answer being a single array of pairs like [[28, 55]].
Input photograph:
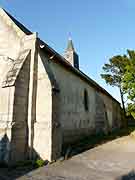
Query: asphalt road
[[114, 160]]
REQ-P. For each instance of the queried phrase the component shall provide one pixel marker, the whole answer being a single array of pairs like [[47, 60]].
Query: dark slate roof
[[60, 59]]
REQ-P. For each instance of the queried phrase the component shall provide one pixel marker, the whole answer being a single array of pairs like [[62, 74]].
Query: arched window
[[86, 101]]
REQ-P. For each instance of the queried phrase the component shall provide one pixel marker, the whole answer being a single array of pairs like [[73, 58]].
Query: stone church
[[46, 101]]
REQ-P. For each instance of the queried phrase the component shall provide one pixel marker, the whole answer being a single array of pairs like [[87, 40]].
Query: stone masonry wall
[[19, 141], [9, 47], [6, 112], [75, 120]]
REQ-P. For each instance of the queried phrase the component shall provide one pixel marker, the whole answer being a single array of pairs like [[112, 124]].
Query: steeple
[[70, 46], [70, 54]]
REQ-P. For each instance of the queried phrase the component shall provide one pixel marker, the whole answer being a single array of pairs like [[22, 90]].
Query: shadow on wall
[[129, 176], [4, 148], [16, 169], [6, 152]]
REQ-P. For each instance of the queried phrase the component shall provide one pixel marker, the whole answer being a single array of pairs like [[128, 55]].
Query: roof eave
[[63, 61]]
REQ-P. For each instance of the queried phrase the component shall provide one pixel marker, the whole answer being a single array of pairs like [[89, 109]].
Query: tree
[[128, 82], [114, 72]]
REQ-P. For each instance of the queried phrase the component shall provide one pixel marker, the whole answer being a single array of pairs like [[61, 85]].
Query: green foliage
[[131, 109], [120, 72], [30, 163], [114, 70], [39, 163], [129, 82], [129, 78]]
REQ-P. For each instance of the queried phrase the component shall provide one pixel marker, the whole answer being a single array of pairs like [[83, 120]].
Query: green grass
[[33, 164]]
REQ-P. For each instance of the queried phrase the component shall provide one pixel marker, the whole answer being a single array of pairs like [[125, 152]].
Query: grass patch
[[32, 164], [39, 163]]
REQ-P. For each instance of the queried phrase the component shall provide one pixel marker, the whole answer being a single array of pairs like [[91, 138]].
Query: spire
[[70, 46], [70, 54]]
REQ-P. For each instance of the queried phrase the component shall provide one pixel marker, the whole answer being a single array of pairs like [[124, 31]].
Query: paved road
[[110, 161]]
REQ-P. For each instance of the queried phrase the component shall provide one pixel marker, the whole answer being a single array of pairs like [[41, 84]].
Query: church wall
[[9, 47], [117, 120], [6, 111], [109, 108], [19, 143], [113, 111], [42, 126], [9, 41], [49, 106], [75, 120]]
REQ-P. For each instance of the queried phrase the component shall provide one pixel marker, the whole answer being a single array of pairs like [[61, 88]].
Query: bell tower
[[70, 54]]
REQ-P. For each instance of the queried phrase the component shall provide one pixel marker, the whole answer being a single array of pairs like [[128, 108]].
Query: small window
[[86, 103]]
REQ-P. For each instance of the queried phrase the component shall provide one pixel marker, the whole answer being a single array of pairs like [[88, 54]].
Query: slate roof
[[60, 59]]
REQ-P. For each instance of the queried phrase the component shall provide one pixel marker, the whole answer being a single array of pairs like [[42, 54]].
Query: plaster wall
[[9, 41], [43, 123]]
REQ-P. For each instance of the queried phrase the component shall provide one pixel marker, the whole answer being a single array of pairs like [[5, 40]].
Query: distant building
[[45, 100]]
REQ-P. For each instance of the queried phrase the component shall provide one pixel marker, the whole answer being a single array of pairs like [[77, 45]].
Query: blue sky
[[99, 29]]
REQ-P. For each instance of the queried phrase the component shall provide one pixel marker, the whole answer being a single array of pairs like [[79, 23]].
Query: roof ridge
[[11, 21]]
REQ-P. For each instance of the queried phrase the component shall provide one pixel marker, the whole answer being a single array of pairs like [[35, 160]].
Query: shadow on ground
[[129, 176]]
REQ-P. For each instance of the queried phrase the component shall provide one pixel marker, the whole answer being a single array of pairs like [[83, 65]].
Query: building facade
[[46, 101]]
